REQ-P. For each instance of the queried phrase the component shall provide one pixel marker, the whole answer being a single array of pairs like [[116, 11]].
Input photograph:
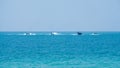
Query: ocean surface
[[41, 50]]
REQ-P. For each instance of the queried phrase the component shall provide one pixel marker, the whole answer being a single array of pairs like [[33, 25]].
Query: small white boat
[[74, 34], [55, 33], [24, 34], [28, 34], [32, 34], [94, 34]]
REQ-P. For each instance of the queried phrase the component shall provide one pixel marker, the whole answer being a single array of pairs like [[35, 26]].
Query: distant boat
[[74, 34], [94, 34], [79, 33], [54, 33], [32, 34], [57, 33], [28, 34], [23, 34]]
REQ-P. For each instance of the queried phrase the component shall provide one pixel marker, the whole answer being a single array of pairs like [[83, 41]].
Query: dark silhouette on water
[[79, 33]]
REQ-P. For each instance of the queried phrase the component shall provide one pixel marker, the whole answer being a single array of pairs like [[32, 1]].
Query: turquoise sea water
[[60, 51]]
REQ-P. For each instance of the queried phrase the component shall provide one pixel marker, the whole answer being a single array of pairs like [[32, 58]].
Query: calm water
[[61, 51]]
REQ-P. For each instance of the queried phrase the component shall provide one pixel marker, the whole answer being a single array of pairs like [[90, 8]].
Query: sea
[[65, 50]]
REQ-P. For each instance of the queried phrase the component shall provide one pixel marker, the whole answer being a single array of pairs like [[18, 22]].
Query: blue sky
[[59, 15]]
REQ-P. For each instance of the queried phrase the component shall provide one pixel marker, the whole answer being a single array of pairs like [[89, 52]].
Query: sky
[[59, 15]]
